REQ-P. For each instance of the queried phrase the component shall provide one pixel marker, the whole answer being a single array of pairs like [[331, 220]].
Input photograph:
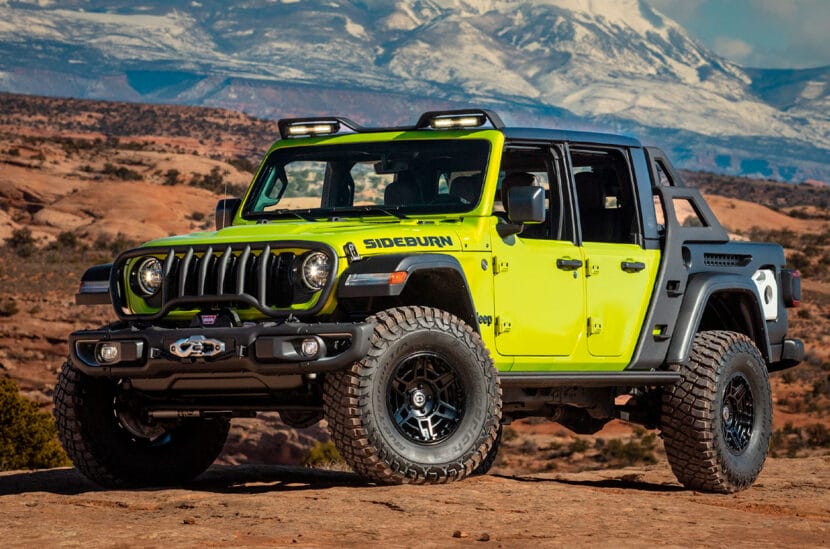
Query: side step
[[587, 379]]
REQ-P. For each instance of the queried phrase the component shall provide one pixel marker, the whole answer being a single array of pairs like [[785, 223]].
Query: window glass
[[534, 167], [390, 178], [663, 178], [605, 196]]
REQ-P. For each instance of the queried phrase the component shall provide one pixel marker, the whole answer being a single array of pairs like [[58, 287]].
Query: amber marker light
[[398, 277]]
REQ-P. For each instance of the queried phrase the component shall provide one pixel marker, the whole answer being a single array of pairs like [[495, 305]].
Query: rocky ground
[[270, 506]]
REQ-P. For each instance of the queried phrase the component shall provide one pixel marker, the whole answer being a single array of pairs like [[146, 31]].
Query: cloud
[[803, 24], [732, 48], [681, 10]]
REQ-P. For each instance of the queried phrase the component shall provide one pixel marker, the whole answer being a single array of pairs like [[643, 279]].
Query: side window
[[663, 177], [605, 195], [534, 166]]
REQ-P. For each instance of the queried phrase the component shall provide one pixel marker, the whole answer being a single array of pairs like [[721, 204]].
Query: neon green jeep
[[420, 286]]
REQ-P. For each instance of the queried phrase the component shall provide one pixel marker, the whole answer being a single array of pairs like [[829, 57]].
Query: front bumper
[[265, 349]]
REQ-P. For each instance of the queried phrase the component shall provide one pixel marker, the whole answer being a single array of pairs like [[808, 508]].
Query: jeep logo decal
[[408, 241]]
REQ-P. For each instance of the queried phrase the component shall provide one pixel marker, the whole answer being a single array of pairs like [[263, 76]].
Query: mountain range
[[607, 65]]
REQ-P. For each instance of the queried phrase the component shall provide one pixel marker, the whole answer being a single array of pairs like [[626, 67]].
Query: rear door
[[619, 271]]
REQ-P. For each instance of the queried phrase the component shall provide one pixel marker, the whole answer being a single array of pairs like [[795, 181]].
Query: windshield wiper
[[285, 212], [378, 210]]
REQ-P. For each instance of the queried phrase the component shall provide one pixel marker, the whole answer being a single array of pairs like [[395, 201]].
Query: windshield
[[389, 178]]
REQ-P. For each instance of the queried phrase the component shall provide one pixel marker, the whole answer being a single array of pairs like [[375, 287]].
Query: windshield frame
[[491, 140]]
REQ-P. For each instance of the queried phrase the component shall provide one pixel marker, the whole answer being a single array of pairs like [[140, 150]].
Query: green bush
[[640, 449], [323, 454], [8, 307], [121, 172], [27, 435], [171, 177], [21, 242]]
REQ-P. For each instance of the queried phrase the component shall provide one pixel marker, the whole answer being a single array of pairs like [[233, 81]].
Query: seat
[[402, 192], [467, 189], [510, 181], [599, 224]]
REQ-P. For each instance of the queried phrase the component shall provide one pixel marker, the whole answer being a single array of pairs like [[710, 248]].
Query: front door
[[539, 282]]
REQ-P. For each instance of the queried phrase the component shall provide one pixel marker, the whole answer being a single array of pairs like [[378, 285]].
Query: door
[[619, 271], [538, 275]]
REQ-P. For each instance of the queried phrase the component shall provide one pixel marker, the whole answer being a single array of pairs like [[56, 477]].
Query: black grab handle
[[568, 264]]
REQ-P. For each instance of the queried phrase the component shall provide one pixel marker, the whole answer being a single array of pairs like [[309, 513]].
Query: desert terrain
[[269, 506], [82, 180]]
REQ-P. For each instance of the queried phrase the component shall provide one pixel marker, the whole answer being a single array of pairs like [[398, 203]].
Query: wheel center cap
[[418, 398], [726, 413]]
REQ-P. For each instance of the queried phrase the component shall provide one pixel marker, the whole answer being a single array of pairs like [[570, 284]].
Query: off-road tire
[[490, 459], [700, 420], [365, 430], [110, 456]]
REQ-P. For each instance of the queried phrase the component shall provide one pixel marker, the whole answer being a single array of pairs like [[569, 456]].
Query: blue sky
[[758, 33]]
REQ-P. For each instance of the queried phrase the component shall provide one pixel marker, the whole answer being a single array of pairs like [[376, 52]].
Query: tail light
[[791, 287]]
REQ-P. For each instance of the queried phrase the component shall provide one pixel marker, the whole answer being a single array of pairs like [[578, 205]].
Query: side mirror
[[225, 211], [527, 205]]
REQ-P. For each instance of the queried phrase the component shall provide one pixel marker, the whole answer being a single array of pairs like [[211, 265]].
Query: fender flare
[[699, 291], [409, 263], [95, 286]]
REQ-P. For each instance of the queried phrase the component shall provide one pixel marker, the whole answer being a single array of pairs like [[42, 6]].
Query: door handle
[[568, 264], [632, 266]]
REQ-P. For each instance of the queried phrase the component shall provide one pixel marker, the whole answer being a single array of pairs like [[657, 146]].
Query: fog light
[[107, 353], [310, 347]]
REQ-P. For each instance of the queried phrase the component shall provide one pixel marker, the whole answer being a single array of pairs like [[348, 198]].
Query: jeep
[[420, 286]]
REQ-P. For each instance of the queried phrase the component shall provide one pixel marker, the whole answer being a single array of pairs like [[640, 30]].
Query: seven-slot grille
[[726, 260], [241, 275]]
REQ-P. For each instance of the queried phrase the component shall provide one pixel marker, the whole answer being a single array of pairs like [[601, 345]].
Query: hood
[[369, 237]]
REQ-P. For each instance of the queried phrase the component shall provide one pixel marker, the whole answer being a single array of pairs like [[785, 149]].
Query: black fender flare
[[402, 262], [95, 284], [699, 290]]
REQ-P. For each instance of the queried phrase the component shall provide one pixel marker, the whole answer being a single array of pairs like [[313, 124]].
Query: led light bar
[[448, 122], [465, 118], [298, 130]]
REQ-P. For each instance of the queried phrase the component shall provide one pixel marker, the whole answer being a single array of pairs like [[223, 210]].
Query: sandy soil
[[270, 506]]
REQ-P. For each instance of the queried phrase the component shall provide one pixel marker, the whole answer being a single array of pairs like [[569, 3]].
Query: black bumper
[[266, 349], [790, 353]]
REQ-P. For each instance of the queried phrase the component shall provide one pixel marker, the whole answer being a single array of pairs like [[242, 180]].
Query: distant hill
[[619, 66]]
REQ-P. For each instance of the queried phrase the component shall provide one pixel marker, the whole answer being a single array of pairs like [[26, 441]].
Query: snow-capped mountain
[[605, 64]]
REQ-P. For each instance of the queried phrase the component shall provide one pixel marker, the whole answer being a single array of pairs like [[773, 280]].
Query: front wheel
[[423, 407], [717, 421], [114, 447]]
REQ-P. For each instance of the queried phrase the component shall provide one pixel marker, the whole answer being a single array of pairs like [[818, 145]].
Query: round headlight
[[149, 276], [315, 270]]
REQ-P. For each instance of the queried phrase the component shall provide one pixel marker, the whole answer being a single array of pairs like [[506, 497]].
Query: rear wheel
[[111, 444], [422, 407], [717, 422]]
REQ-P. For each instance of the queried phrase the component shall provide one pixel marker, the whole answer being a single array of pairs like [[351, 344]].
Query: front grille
[[242, 276], [726, 260], [263, 274]]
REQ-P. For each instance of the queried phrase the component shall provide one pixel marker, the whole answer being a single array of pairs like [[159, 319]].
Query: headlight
[[315, 270], [149, 276]]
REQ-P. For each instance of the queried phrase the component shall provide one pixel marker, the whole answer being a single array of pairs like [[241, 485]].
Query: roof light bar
[[447, 122], [467, 118], [292, 128], [310, 127], [302, 130]]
